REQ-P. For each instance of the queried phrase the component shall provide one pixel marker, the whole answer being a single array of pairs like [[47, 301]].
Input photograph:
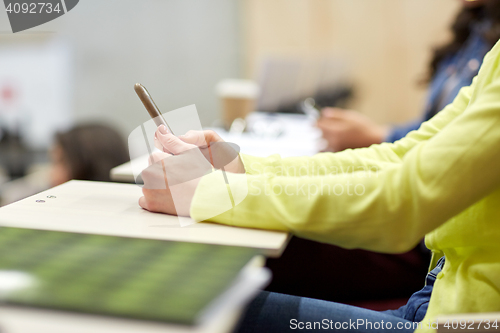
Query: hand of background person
[[349, 129], [171, 179]]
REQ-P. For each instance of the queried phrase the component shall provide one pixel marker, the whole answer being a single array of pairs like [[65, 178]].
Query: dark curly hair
[[461, 29]]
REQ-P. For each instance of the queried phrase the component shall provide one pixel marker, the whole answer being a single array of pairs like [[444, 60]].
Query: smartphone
[[150, 106]]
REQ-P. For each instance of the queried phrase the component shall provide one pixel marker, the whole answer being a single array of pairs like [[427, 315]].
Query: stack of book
[[60, 281]]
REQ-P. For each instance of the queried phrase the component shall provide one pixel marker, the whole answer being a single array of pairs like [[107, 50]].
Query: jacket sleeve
[[414, 192], [374, 158]]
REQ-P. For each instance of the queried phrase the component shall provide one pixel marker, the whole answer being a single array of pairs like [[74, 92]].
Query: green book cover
[[125, 277]]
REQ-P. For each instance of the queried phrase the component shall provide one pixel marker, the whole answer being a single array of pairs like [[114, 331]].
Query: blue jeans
[[274, 313]]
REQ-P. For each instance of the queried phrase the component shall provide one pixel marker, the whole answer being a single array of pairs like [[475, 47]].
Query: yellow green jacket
[[441, 181]]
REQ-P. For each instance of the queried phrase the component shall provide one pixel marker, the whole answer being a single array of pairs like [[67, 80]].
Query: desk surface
[[113, 209]]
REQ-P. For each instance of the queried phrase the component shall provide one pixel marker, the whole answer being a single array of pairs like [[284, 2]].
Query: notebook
[[154, 280]]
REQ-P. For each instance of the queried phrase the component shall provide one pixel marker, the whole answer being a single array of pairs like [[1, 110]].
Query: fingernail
[[163, 129]]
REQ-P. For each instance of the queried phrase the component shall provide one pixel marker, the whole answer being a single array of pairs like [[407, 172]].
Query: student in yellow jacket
[[441, 181]]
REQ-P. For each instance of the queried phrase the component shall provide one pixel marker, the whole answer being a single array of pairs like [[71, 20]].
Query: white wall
[[178, 49]]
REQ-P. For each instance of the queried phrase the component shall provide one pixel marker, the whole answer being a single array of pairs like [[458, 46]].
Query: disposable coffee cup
[[237, 98]]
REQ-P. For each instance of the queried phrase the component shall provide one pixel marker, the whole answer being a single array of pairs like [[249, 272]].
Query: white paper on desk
[[298, 135]]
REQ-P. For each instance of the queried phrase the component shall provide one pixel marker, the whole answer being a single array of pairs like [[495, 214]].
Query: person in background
[[87, 152], [475, 30]]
